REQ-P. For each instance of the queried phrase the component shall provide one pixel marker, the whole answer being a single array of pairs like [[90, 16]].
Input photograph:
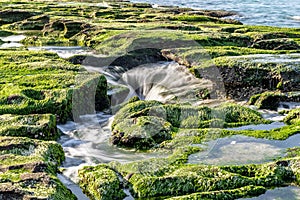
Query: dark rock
[[276, 44], [11, 16], [9, 192], [282, 163], [65, 28], [32, 23]]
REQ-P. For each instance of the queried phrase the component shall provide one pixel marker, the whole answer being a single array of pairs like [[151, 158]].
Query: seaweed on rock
[[28, 168]]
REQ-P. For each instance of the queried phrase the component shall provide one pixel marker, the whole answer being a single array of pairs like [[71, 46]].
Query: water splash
[[163, 81]]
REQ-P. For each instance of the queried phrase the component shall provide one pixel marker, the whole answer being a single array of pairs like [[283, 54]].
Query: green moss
[[100, 182], [145, 119], [163, 178], [28, 168], [270, 100], [132, 110], [32, 126], [36, 82], [142, 132], [293, 117]]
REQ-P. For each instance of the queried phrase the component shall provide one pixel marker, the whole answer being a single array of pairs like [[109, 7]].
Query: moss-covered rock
[[171, 178], [40, 82], [142, 132], [28, 169], [10, 16], [276, 44], [33, 23], [271, 100], [32, 126], [248, 75], [144, 124], [101, 182], [293, 117]]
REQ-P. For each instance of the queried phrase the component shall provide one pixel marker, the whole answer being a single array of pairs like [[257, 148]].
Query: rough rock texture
[[101, 182], [28, 168], [146, 124], [36, 126]]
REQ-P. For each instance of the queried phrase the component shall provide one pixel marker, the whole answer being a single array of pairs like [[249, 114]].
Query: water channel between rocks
[[87, 143]]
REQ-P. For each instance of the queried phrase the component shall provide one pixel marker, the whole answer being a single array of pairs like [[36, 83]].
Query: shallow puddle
[[239, 150], [282, 193], [12, 41]]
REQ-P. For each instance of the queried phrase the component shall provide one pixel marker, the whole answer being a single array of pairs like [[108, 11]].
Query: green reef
[[38, 89], [28, 169]]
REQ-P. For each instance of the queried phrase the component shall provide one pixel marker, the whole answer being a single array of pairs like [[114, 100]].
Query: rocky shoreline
[[38, 89]]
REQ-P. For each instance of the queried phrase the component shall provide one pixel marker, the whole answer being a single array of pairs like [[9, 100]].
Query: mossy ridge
[[293, 117], [271, 99], [28, 168], [41, 81], [196, 136], [32, 126], [140, 115], [162, 178]]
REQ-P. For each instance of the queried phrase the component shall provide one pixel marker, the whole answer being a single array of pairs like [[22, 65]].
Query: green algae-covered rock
[[276, 44], [101, 182], [28, 168], [266, 100], [40, 82], [247, 75], [36, 126], [271, 99], [142, 132], [33, 23], [293, 117], [10, 16], [164, 178], [145, 124]]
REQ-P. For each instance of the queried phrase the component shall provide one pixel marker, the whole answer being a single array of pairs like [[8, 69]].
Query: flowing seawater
[[254, 12]]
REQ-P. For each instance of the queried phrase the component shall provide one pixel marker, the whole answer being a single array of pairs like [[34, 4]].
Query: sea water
[[255, 12]]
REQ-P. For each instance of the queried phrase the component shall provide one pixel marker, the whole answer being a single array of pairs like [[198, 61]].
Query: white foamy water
[[12, 41], [296, 18], [63, 51], [87, 143], [162, 81], [13, 38]]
